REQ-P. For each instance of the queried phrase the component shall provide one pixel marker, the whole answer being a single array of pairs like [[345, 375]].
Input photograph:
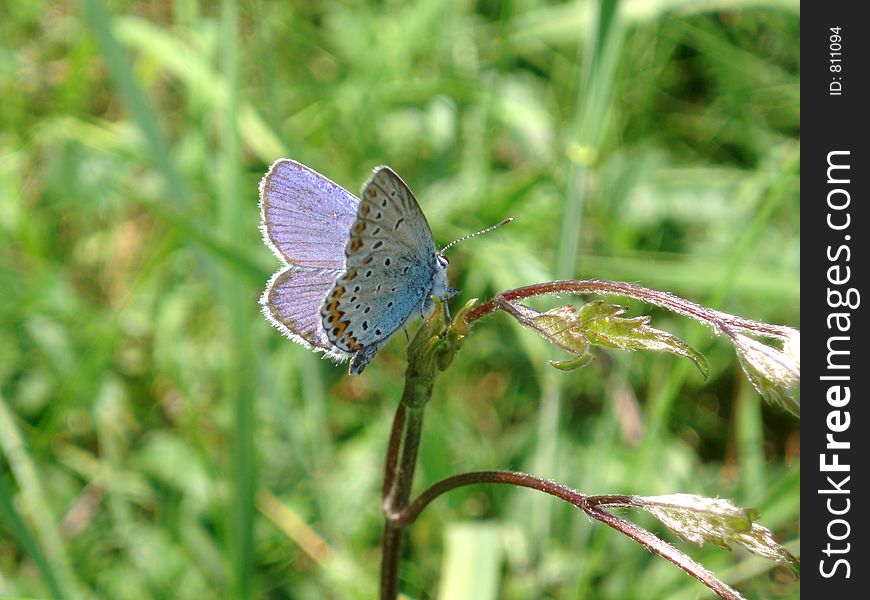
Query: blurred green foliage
[[158, 439]]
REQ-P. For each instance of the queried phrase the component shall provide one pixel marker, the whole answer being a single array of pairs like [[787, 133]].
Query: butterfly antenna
[[471, 235]]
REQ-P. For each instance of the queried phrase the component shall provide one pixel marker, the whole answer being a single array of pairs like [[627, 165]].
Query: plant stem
[[399, 474], [591, 505], [429, 353], [719, 319]]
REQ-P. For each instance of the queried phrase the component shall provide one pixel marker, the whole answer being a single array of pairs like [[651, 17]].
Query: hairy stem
[[721, 320], [591, 505]]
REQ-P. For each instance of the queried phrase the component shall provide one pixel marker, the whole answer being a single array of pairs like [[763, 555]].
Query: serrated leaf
[[604, 326], [600, 324], [717, 521], [560, 326], [563, 327], [775, 374]]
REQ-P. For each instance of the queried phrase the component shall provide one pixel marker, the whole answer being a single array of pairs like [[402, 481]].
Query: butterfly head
[[440, 289]]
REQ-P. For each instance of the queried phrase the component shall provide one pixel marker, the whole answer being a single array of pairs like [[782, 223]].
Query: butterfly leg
[[446, 311], [450, 293]]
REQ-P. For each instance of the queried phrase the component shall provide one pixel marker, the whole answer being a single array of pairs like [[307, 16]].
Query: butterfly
[[356, 269]]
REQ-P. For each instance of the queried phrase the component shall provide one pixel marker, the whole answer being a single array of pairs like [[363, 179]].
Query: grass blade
[[55, 564]]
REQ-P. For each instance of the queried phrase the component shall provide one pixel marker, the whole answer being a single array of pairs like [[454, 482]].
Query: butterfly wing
[[292, 302], [389, 201], [390, 265], [306, 220], [306, 217]]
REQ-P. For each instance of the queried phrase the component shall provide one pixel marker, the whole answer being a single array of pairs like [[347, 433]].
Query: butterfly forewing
[[306, 217], [389, 209], [390, 264]]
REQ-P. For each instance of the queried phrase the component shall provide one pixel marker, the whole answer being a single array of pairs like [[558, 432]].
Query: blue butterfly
[[356, 269]]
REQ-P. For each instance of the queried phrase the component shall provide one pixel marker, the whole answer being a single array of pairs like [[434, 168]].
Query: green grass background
[[158, 439]]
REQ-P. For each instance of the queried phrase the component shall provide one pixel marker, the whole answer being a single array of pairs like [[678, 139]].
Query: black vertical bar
[[835, 430]]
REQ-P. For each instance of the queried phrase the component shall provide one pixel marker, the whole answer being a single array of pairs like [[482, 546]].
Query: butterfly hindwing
[[292, 302], [366, 306]]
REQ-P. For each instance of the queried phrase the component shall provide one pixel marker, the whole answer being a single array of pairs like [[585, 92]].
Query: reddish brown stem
[[393, 450], [398, 477], [721, 320], [591, 505]]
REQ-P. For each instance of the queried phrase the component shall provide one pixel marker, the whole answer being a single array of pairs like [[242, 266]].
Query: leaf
[[563, 327], [600, 324], [605, 326], [776, 374], [570, 365], [716, 520]]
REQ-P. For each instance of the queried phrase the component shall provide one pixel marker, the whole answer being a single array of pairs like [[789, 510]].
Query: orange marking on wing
[[355, 244], [350, 275], [365, 209], [359, 227], [367, 259]]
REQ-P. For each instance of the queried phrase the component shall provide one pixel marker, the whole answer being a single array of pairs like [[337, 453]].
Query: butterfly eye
[[442, 260]]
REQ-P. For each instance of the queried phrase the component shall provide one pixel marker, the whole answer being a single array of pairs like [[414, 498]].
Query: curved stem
[[665, 550], [413, 511], [591, 505], [722, 320]]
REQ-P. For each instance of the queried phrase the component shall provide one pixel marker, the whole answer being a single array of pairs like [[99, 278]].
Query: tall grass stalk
[[55, 564], [591, 110], [238, 381]]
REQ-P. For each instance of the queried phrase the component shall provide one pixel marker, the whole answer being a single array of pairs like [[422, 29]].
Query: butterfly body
[[357, 269]]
